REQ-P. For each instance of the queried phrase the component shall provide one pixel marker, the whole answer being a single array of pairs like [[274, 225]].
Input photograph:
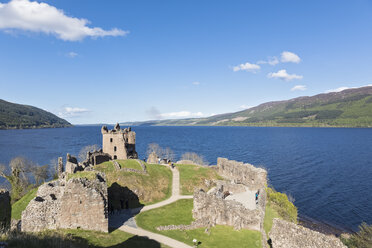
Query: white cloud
[[196, 83], [245, 106], [339, 89], [290, 57], [72, 54], [283, 75], [68, 112], [181, 114], [246, 67], [44, 18], [271, 61], [299, 88]]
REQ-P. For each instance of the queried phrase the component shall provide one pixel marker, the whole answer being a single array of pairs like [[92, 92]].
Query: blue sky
[[108, 61]]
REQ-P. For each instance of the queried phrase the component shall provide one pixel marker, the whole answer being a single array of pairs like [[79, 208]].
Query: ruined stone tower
[[119, 143]]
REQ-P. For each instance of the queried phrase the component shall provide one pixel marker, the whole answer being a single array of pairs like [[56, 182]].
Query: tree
[[40, 173], [17, 175], [83, 152], [53, 168], [154, 148], [194, 157], [169, 154]]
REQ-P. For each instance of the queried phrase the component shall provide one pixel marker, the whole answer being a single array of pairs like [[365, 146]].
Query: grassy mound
[[180, 213], [194, 176], [22, 203], [151, 188], [78, 239], [90, 175], [130, 163]]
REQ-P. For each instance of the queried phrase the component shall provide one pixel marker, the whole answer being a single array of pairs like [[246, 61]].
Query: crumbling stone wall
[[285, 234], [119, 143], [71, 164], [76, 203], [5, 210], [242, 173], [153, 158], [219, 206], [96, 157], [214, 210]]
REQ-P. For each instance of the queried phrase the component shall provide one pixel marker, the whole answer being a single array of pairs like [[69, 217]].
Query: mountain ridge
[[19, 116], [347, 108]]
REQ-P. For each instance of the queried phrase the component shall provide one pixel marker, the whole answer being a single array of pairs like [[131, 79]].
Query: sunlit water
[[327, 170]]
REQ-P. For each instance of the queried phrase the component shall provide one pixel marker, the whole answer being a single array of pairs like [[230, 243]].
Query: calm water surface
[[327, 170]]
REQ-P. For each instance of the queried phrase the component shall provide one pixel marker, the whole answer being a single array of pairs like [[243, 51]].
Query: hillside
[[348, 108], [17, 116]]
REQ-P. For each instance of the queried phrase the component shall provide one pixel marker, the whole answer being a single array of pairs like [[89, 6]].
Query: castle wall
[[84, 205], [112, 140], [119, 143], [212, 210], [284, 234], [5, 210], [247, 174], [76, 203]]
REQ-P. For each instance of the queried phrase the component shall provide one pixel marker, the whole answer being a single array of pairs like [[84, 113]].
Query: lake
[[328, 171]]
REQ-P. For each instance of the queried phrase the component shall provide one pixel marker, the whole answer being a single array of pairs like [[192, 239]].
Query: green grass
[[270, 214], [78, 239], [151, 188], [194, 176], [180, 213], [91, 175], [22, 203], [116, 238], [130, 163]]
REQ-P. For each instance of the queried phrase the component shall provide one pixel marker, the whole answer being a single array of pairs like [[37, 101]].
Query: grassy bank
[[180, 212], [151, 188], [194, 176], [22, 203]]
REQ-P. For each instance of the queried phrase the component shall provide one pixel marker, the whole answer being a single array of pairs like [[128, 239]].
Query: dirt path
[[129, 225]]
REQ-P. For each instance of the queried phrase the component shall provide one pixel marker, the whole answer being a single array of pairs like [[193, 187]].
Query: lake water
[[327, 170]]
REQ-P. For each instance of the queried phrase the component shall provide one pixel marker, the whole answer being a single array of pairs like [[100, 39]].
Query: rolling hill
[[348, 108], [17, 116]]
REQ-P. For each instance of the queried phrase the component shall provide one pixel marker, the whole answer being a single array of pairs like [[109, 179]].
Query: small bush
[[280, 203], [194, 157], [361, 239]]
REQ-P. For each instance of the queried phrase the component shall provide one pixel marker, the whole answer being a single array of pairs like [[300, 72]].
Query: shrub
[[280, 203], [361, 239], [192, 156]]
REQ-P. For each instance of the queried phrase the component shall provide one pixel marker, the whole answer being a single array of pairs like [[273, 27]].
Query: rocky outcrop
[[5, 210], [284, 234], [76, 203], [242, 173]]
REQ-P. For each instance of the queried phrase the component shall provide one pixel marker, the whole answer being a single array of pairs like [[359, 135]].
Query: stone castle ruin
[[119, 143], [74, 203], [233, 202]]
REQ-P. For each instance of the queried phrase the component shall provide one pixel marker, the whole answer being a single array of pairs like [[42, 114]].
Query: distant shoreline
[[42, 127]]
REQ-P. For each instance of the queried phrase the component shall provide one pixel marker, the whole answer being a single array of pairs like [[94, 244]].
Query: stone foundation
[[76, 203], [284, 234]]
